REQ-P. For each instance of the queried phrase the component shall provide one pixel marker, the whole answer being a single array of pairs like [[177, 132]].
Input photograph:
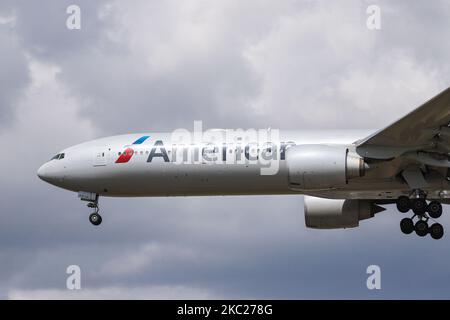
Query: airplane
[[345, 176]]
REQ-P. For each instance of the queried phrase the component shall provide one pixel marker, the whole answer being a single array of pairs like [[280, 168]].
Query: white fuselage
[[146, 165]]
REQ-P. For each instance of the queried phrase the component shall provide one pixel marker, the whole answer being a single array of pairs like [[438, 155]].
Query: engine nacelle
[[320, 167], [323, 213]]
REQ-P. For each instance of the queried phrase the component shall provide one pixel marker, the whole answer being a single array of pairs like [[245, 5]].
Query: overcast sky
[[160, 65]]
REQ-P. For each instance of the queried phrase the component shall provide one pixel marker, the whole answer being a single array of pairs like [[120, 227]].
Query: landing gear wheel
[[403, 204], [434, 209], [436, 231], [419, 206], [421, 228], [95, 218], [407, 225]]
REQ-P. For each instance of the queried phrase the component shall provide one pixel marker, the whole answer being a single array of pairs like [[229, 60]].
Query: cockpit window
[[59, 156]]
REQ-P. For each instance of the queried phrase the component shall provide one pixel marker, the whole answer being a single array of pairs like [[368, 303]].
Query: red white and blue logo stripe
[[129, 152]]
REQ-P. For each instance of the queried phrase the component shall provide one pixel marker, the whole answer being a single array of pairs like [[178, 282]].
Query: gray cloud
[[161, 65], [14, 76], [42, 27]]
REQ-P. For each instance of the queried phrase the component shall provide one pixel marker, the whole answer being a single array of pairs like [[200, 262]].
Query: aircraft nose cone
[[43, 173], [51, 173]]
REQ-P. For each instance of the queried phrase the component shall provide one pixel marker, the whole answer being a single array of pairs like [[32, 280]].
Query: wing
[[425, 128]]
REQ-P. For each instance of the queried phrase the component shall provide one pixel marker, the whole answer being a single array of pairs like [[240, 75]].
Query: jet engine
[[321, 167], [323, 213]]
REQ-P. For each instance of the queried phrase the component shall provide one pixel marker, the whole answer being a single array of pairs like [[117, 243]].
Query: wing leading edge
[[426, 127]]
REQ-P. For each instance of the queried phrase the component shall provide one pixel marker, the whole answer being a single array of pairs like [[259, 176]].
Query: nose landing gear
[[423, 212], [95, 218]]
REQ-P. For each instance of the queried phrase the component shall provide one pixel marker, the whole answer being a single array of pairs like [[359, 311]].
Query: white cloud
[[8, 19], [321, 69], [146, 292]]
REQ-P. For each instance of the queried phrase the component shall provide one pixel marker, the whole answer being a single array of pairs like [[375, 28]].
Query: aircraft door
[[101, 156]]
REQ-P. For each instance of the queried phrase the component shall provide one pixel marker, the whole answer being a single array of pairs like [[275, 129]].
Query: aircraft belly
[[171, 179]]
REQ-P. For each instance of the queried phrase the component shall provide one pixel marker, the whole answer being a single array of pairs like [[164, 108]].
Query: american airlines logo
[[219, 146], [125, 156]]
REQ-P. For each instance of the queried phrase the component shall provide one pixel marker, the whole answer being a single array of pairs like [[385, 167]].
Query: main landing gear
[[423, 211], [92, 198]]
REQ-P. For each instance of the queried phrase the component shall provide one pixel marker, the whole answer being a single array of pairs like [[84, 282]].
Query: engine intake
[[319, 167], [323, 213]]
